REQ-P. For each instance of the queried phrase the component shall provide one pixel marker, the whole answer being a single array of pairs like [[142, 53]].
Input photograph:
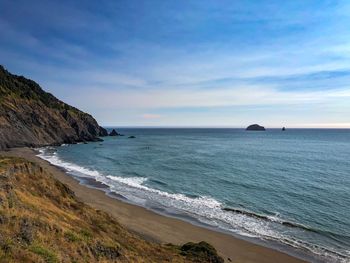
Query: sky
[[186, 63]]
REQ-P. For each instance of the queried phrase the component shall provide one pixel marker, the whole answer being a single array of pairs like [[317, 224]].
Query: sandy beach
[[158, 228]]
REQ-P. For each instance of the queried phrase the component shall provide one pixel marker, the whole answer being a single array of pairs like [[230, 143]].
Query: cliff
[[29, 116], [41, 220]]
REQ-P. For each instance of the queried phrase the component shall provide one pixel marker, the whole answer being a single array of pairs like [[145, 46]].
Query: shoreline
[[157, 227]]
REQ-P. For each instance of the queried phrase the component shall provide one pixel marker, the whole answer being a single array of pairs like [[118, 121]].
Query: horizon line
[[215, 127]]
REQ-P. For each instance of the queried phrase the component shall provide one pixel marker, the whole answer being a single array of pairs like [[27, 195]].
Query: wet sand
[[158, 228]]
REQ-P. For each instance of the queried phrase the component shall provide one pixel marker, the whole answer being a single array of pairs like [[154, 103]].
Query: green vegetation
[[72, 237], [19, 87], [47, 255], [85, 234]]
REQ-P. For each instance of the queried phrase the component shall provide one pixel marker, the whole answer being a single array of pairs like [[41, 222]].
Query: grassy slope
[[42, 221], [20, 88]]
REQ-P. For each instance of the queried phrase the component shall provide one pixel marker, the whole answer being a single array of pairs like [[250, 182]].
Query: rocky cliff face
[[29, 116]]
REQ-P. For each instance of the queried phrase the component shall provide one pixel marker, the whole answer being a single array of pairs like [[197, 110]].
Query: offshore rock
[[255, 127], [114, 133]]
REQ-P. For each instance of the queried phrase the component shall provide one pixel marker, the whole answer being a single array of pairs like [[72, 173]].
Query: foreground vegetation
[[41, 220]]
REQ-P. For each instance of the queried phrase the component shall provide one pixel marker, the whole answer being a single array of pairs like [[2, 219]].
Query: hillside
[[29, 116], [41, 220]]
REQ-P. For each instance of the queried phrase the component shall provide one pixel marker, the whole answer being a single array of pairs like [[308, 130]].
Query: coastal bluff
[[42, 220], [29, 116]]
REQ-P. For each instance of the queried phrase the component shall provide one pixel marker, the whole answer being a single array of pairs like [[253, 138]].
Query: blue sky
[[187, 63]]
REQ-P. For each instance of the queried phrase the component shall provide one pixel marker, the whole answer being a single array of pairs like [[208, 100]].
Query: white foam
[[70, 167], [137, 182], [130, 181], [275, 218]]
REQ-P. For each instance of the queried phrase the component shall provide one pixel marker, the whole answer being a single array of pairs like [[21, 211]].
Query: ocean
[[289, 190]]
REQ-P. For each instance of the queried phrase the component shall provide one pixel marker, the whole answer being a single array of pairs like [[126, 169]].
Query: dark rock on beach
[[255, 127], [132, 137], [29, 116]]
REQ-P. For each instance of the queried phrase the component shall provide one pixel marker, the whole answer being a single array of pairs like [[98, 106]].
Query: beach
[[158, 228]]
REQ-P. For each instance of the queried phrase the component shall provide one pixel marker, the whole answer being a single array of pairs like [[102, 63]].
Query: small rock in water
[[114, 133]]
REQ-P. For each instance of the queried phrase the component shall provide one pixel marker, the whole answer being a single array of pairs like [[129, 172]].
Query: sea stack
[[284, 128], [114, 133], [255, 127]]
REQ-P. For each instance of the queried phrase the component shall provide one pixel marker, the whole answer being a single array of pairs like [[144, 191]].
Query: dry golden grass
[[41, 220]]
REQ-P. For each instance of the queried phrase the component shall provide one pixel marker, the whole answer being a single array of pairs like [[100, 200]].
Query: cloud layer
[[204, 63]]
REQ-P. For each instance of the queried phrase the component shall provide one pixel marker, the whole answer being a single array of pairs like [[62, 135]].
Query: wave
[[203, 208], [159, 182], [276, 219], [70, 167], [269, 218], [130, 181], [333, 256], [137, 182]]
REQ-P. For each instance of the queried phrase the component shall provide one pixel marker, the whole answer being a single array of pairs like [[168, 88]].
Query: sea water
[[281, 187]]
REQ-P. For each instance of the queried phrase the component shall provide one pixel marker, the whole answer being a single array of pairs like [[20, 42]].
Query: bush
[[46, 254], [201, 251], [71, 237], [85, 234]]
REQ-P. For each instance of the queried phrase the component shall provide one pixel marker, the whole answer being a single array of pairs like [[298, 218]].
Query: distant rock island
[[29, 116], [255, 127], [284, 128]]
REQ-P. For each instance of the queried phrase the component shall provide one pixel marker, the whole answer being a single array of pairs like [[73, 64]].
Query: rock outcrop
[[114, 133], [255, 127], [202, 251], [29, 116]]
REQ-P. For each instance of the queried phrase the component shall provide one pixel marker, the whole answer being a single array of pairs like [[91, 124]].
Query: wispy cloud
[[197, 98], [149, 116]]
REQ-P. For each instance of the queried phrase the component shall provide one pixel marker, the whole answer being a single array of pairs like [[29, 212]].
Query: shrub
[[71, 237], [201, 251], [85, 234], [47, 255]]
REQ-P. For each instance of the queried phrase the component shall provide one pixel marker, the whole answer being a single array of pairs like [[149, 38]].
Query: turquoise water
[[290, 188]]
